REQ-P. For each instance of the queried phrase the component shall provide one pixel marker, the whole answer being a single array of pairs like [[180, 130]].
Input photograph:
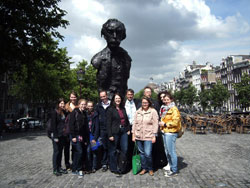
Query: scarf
[[164, 109]]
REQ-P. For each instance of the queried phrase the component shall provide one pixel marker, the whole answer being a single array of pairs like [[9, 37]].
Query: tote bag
[[96, 145], [136, 161]]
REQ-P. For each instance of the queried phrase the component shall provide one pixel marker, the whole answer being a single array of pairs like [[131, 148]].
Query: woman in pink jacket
[[144, 130]]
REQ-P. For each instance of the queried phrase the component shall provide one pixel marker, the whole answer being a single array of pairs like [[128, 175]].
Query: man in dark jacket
[[101, 109], [147, 92]]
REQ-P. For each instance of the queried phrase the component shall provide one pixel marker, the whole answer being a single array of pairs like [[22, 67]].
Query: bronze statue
[[113, 62]]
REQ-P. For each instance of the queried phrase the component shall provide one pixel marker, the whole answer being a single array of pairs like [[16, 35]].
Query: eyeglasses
[[145, 103]]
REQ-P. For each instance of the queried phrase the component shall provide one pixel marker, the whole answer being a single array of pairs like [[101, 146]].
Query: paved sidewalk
[[209, 160]]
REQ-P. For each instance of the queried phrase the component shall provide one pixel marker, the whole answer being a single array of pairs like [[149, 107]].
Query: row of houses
[[230, 71]]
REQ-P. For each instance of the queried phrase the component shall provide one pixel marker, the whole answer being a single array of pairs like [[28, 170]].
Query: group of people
[[114, 125]]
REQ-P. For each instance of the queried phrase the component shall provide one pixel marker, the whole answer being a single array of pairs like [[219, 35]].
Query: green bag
[[136, 161]]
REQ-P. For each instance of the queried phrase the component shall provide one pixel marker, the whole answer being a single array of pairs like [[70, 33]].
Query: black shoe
[[63, 171], [171, 174], [117, 174], [68, 168], [57, 173], [104, 168], [93, 170]]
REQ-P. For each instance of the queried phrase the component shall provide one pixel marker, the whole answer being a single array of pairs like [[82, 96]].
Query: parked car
[[11, 125], [30, 123]]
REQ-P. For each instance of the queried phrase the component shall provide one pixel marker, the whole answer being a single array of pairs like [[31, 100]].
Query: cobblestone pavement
[[208, 160]]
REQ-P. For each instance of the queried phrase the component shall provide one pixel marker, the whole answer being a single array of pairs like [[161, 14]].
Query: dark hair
[[159, 97], [130, 90], [167, 94], [73, 93], [147, 87], [107, 23], [148, 99], [113, 100], [59, 110], [103, 91]]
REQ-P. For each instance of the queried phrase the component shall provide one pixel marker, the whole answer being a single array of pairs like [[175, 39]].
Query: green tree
[[179, 96], [219, 94], [89, 85], [44, 83], [190, 95], [24, 28], [204, 98], [243, 91]]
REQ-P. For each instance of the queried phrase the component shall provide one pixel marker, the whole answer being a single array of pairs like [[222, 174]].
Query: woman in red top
[[118, 128]]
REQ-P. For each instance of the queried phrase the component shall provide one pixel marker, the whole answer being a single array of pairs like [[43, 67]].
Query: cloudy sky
[[163, 36]]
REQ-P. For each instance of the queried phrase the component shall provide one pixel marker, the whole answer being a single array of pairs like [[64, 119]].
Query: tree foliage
[[179, 96], [44, 82], [219, 94], [243, 91], [190, 95], [24, 28], [204, 98], [89, 89]]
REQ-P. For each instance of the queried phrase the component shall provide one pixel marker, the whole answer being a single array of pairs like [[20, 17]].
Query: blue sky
[[163, 36]]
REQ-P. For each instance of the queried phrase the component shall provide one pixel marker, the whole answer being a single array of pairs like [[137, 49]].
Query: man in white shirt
[[131, 105]]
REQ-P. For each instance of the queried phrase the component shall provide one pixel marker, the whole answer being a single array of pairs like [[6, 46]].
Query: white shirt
[[130, 110], [106, 105]]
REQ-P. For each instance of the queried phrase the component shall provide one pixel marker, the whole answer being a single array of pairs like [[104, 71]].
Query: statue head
[[114, 32]]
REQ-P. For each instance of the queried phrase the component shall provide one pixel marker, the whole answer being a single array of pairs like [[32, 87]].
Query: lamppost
[[80, 74]]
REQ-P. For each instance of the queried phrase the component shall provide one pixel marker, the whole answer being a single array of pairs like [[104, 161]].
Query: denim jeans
[[66, 150], [57, 153], [170, 149], [145, 148], [104, 140], [91, 162], [78, 152], [120, 142]]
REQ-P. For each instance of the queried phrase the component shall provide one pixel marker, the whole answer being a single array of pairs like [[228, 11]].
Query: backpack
[[48, 129], [121, 161], [66, 129]]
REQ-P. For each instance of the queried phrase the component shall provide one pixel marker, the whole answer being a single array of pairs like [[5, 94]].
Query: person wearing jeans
[[57, 126], [169, 140], [144, 131], [94, 131], [170, 124], [118, 130], [79, 137]]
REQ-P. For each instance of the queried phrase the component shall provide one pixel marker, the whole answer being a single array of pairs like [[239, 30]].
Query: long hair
[[113, 100], [58, 109]]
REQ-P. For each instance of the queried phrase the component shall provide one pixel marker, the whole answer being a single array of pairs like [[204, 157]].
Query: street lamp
[[80, 74]]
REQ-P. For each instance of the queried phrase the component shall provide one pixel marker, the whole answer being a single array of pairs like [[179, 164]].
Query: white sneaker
[[167, 168], [80, 174]]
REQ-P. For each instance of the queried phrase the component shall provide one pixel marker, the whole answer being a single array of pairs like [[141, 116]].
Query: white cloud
[[162, 35]]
